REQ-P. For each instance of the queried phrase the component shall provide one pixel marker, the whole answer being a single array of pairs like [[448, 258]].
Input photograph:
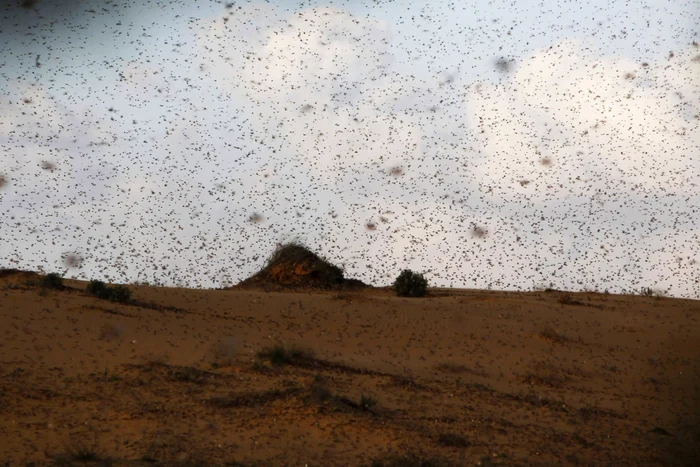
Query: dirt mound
[[296, 267]]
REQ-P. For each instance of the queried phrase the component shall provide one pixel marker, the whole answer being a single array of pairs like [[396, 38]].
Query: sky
[[508, 145]]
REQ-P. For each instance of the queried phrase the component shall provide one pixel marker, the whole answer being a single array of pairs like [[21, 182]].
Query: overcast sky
[[499, 144]]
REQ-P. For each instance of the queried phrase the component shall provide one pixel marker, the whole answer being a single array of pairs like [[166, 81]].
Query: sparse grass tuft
[[80, 453], [319, 393], [450, 367], [346, 296], [548, 379], [552, 335], [660, 431], [568, 299], [189, 375], [649, 292], [406, 382], [452, 440], [319, 390], [367, 403], [251, 399], [410, 284], [279, 355], [259, 367]]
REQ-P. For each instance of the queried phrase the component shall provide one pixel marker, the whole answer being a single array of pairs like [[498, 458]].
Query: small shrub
[[410, 284], [189, 375], [279, 355], [98, 289], [81, 453], [660, 431], [568, 299], [52, 281], [552, 335], [120, 294], [544, 378], [257, 366], [406, 382], [367, 403]]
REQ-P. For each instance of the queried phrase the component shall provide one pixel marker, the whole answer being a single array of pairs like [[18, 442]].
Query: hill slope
[[463, 377]]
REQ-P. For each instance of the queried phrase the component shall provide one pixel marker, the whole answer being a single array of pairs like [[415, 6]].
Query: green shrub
[[410, 284], [98, 289], [52, 281], [118, 293]]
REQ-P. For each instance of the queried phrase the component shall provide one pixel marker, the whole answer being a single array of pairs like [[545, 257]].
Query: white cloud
[[613, 138], [317, 82], [606, 124], [310, 116]]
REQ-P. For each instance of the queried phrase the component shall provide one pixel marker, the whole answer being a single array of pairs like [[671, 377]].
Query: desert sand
[[459, 377]]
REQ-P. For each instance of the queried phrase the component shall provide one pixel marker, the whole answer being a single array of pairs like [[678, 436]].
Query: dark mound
[[296, 267]]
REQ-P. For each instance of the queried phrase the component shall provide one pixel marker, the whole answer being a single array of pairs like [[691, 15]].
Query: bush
[[118, 293], [278, 355], [52, 281], [410, 284], [98, 289]]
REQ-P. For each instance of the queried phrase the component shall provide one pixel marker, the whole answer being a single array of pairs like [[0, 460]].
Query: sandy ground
[[462, 377]]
